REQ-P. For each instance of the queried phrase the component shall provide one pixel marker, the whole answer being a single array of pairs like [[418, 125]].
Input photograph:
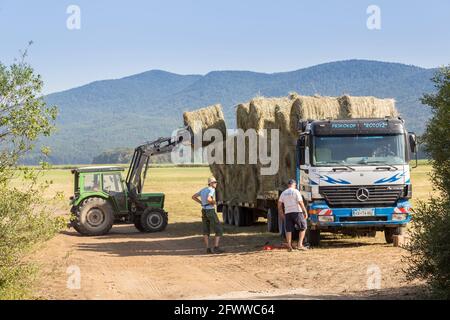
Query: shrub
[[430, 235]]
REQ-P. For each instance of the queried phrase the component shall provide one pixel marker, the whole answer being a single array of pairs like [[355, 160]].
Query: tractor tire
[[225, 214], [272, 220], [94, 217], [239, 216], [389, 233], [313, 237], [138, 224], [153, 220], [230, 214]]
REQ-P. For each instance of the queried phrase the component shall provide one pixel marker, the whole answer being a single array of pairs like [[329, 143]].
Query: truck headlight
[[399, 216], [326, 218]]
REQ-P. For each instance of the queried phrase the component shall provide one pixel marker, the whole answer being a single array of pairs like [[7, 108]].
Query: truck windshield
[[359, 150]]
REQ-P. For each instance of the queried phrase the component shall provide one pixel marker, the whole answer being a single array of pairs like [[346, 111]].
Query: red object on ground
[[274, 247]]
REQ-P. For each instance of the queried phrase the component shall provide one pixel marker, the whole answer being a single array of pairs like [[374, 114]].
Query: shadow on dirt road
[[184, 239]]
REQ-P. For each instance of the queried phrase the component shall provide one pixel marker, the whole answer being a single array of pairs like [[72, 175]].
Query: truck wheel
[[272, 220], [372, 234], [230, 214], [225, 214], [249, 218], [154, 220], [389, 233], [94, 217], [314, 237], [239, 216]]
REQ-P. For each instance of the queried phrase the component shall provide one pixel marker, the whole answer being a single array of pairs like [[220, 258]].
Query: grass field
[[179, 183]]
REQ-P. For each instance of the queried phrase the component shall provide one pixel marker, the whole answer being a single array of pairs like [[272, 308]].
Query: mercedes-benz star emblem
[[362, 194]]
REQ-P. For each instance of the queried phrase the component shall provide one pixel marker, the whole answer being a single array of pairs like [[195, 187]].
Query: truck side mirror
[[413, 146], [412, 142]]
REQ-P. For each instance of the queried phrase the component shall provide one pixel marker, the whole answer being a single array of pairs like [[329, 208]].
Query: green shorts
[[210, 221]]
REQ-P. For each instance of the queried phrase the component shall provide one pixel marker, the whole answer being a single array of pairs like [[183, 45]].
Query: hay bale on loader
[[206, 118]]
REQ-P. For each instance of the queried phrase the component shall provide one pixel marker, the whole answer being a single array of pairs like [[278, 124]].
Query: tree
[[430, 238], [25, 219], [24, 116]]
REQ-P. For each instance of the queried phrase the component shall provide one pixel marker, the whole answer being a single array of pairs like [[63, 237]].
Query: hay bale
[[262, 112], [368, 107], [242, 113], [207, 118], [315, 107]]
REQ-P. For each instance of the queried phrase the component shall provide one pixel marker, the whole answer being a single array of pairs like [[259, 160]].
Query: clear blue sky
[[119, 38]]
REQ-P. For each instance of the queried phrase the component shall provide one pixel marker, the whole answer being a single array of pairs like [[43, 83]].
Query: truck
[[354, 176]]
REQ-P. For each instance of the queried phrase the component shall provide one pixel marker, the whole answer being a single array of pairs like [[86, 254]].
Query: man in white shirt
[[292, 210]]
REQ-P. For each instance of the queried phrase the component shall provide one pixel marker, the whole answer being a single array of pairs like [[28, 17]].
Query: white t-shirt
[[290, 198]]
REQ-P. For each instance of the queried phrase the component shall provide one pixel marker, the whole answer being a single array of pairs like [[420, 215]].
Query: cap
[[211, 180]]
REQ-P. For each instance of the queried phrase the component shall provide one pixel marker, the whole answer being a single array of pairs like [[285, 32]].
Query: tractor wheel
[[153, 220], [94, 217], [230, 214], [272, 220], [138, 224], [225, 214]]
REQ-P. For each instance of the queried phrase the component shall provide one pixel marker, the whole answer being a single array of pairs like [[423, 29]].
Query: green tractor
[[103, 198]]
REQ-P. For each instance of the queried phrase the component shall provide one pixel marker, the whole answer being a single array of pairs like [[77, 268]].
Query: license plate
[[363, 212]]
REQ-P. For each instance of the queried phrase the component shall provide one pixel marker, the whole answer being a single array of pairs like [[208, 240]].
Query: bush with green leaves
[[430, 232], [25, 219]]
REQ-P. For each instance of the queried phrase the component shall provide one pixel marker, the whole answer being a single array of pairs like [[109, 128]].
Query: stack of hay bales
[[244, 182], [263, 116], [367, 107]]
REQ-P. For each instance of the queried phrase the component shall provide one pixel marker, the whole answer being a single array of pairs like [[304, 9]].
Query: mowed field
[[126, 264]]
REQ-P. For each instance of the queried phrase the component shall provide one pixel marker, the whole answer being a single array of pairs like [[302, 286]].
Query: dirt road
[[172, 265]]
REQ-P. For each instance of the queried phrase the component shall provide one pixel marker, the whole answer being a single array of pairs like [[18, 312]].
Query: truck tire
[[272, 220], [239, 216], [249, 217], [313, 237], [230, 214], [153, 220], [389, 233], [94, 217], [225, 214]]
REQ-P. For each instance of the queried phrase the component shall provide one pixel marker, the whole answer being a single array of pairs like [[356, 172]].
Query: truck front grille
[[346, 196]]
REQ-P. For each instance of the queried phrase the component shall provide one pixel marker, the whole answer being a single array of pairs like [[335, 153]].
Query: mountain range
[[126, 112]]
